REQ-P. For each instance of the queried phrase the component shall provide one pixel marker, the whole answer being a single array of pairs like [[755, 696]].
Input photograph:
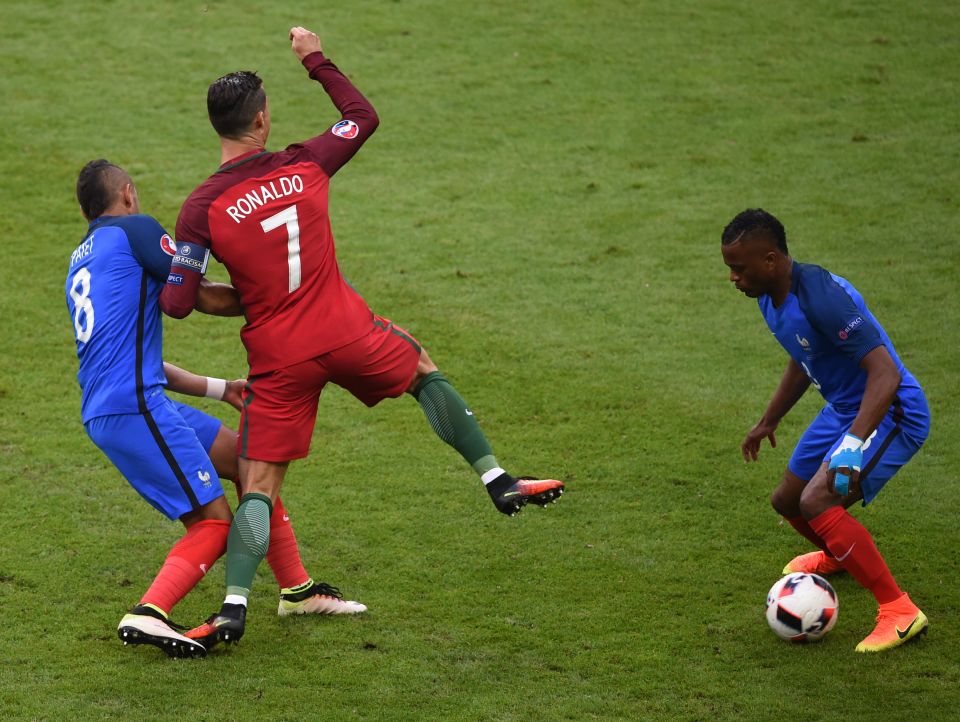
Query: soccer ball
[[802, 607]]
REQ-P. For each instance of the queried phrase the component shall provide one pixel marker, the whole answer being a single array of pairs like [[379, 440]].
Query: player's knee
[[813, 503], [425, 365], [218, 509], [785, 503], [426, 370]]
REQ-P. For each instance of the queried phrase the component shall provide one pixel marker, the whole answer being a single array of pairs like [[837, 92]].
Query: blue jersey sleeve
[[832, 311], [151, 245]]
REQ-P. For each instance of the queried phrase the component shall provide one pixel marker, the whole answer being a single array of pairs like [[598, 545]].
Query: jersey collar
[[794, 282], [794, 277], [241, 159], [99, 219]]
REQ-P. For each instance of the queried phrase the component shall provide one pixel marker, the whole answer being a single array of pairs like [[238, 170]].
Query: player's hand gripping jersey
[[826, 327], [113, 282], [264, 216]]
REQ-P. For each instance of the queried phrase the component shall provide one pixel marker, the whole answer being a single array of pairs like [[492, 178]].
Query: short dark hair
[[755, 221], [233, 101], [97, 187]]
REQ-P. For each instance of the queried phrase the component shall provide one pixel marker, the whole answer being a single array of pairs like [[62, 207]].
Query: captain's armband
[[190, 257]]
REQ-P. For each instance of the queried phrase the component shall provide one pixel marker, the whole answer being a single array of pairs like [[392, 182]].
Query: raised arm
[[358, 120]]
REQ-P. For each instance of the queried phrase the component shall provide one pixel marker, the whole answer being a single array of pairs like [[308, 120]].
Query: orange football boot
[[813, 563], [897, 622], [523, 491]]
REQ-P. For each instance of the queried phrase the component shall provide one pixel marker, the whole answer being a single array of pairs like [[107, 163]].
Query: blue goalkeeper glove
[[848, 455]]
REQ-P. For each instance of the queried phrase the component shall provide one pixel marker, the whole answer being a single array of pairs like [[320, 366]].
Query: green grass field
[[541, 206]]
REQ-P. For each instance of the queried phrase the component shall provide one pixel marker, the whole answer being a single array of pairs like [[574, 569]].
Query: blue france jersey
[[113, 285], [826, 327]]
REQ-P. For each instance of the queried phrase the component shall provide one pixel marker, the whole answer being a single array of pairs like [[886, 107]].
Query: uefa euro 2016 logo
[[346, 129], [167, 244]]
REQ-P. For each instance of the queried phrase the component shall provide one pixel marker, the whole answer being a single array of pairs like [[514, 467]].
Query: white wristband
[[216, 388], [850, 443]]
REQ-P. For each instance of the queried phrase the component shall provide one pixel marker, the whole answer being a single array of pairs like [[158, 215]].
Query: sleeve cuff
[[314, 60]]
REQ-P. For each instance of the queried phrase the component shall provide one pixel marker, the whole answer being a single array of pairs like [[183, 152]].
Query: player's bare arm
[[793, 384], [183, 381], [186, 382], [883, 379], [303, 42], [218, 299], [234, 393]]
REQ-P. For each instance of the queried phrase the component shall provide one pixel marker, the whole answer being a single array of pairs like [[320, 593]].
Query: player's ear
[[129, 196]]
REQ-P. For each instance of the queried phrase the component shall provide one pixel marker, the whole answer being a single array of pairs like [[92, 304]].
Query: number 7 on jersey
[[288, 217]]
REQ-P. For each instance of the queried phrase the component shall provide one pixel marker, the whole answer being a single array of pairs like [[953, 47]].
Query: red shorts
[[280, 407]]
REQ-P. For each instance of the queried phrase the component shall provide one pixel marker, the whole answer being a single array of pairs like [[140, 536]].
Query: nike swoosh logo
[[840, 559], [510, 493], [906, 631]]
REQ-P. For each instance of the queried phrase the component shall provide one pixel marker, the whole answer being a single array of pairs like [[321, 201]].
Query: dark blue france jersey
[[826, 327], [115, 278]]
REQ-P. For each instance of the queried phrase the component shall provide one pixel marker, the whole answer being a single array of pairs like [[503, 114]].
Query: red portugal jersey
[[264, 216]]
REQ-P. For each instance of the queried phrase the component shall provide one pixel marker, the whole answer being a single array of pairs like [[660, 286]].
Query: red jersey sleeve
[[179, 294], [339, 143]]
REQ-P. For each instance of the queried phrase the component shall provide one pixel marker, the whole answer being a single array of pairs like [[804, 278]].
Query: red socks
[[803, 528], [205, 542], [283, 556], [851, 545], [189, 559]]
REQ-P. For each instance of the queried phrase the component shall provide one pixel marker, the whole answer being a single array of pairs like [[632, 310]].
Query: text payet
[[257, 197], [82, 251]]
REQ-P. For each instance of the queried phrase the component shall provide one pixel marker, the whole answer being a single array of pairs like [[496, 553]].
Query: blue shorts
[[164, 454], [899, 436]]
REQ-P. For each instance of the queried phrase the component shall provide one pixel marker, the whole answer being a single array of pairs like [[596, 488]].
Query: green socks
[[247, 543], [454, 422]]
